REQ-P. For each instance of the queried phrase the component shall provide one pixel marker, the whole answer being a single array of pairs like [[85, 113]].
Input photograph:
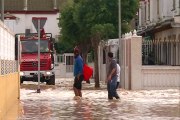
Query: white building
[[159, 22], [19, 13]]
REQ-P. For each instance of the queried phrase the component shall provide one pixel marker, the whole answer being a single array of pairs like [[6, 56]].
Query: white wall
[[7, 42], [24, 21], [160, 77]]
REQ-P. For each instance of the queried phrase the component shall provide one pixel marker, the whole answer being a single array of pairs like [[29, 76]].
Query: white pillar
[[171, 53], [151, 8], [55, 4], [136, 63], [122, 63], [25, 5], [179, 52], [140, 18], [2, 10]]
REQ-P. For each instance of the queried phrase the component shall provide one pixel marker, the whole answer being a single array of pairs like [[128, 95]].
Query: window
[[158, 7], [145, 11], [174, 5], [69, 60], [149, 10], [31, 46], [60, 59]]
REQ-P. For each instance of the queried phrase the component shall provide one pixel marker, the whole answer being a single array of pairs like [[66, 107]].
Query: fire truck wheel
[[51, 81]]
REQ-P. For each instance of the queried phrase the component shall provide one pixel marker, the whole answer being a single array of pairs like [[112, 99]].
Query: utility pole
[[119, 16], [120, 50], [2, 10], [119, 20], [39, 45]]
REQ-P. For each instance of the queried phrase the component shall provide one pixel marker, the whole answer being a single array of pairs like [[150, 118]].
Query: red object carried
[[87, 72]]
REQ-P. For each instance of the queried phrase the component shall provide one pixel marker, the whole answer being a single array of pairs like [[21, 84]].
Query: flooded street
[[58, 103]]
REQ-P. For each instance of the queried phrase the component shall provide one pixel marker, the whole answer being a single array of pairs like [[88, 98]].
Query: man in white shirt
[[118, 75], [112, 78]]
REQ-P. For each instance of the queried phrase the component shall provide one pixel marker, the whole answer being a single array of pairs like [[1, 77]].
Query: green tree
[[70, 33], [87, 22], [93, 19], [129, 9]]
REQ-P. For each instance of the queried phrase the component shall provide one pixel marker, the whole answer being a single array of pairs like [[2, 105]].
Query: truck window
[[44, 46], [31, 46]]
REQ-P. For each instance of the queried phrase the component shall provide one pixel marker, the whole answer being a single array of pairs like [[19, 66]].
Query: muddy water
[[58, 103]]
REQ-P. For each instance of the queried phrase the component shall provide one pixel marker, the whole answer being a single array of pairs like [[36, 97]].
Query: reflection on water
[[58, 104], [39, 110]]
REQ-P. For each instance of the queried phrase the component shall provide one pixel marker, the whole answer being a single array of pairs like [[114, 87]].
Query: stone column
[[136, 62], [54, 4], [140, 15], [121, 57], [25, 5]]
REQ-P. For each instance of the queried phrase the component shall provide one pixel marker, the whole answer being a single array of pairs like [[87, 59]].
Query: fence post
[[136, 62], [122, 63]]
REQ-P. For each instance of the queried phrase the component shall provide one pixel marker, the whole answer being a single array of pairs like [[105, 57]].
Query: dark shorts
[[78, 83]]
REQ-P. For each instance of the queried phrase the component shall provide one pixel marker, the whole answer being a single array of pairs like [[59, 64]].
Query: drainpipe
[[2, 10], [55, 4], [25, 5]]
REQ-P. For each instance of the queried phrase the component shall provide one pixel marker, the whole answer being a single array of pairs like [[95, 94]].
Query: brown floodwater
[[58, 103]]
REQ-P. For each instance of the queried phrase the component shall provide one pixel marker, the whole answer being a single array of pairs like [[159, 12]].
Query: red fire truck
[[29, 57]]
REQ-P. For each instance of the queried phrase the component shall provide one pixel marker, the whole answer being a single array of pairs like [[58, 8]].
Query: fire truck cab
[[29, 58]]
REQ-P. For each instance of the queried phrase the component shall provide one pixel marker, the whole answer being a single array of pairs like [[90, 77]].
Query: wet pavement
[[58, 103]]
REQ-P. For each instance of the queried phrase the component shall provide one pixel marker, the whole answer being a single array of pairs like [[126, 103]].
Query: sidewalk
[[68, 82]]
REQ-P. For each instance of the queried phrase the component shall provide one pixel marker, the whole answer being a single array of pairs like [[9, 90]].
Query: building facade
[[19, 13], [159, 23]]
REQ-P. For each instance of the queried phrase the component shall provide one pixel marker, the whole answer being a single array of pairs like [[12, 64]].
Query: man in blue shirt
[[78, 72]]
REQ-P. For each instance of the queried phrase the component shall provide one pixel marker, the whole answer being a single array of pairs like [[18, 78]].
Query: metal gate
[[64, 65]]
